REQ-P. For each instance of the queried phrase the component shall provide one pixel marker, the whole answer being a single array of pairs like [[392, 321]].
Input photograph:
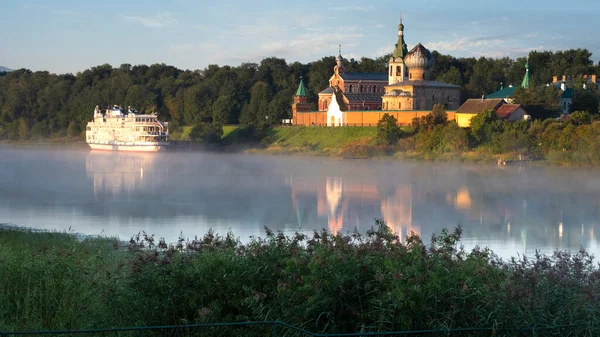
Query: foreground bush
[[323, 283]]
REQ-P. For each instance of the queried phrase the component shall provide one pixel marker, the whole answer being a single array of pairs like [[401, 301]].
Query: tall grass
[[323, 282]]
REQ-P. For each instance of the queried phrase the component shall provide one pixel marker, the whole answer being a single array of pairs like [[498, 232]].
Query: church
[[361, 99]]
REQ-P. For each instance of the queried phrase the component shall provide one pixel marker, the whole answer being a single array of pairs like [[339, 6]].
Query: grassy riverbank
[[359, 142], [323, 283], [572, 142]]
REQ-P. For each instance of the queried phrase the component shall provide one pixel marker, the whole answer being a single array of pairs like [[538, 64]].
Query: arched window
[[361, 88], [350, 88], [398, 70], [366, 107], [433, 97], [399, 105], [448, 98], [324, 105], [391, 70]]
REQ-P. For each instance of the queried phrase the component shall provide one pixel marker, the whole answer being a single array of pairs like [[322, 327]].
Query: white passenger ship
[[116, 131]]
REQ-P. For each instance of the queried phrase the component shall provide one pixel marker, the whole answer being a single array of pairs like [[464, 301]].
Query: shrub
[[40, 131], [456, 139], [324, 282], [205, 132], [482, 125], [388, 131]]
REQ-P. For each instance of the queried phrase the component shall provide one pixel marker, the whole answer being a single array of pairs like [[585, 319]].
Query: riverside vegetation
[[42, 105], [201, 106], [572, 141], [322, 282]]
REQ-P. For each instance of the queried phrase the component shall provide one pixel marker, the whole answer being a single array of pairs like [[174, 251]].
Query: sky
[[70, 36]]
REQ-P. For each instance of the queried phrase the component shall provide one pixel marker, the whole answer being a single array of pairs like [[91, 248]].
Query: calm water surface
[[513, 210]]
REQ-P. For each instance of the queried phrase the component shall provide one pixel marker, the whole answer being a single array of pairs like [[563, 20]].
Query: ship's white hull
[[150, 147]]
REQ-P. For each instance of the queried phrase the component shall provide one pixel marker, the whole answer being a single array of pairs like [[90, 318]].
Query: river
[[512, 210]]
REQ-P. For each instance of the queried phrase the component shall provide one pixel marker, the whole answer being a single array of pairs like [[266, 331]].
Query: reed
[[322, 282]]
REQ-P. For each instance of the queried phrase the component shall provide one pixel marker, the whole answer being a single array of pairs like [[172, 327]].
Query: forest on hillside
[[39, 105]]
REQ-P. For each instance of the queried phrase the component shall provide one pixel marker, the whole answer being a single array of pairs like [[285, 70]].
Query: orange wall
[[310, 118], [362, 118]]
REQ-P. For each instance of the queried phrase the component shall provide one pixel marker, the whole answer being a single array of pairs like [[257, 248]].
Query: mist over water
[[513, 210]]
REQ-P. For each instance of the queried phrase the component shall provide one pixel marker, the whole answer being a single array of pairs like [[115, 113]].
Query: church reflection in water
[[503, 210], [354, 204], [508, 219]]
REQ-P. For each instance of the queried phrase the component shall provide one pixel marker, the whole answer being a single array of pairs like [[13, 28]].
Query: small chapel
[[361, 99]]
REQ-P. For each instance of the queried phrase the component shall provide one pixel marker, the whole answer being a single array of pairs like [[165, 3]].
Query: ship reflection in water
[[137, 190], [512, 210], [113, 173]]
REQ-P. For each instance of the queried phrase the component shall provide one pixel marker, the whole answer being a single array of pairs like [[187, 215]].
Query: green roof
[[301, 89], [503, 93]]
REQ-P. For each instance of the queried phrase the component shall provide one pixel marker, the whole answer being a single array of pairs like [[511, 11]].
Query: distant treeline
[[41, 105]]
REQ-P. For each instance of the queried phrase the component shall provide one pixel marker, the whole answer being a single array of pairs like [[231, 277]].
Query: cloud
[[384, 50], [379, 26], [354, 8], [485, 46], [159, 20], [512, 52], [531, 35], [302, 44], [465, 44]]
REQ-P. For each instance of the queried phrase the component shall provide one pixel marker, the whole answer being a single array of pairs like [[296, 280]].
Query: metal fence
[[276, 328]]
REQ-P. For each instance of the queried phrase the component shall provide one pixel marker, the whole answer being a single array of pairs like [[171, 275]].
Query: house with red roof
[[511, 112]]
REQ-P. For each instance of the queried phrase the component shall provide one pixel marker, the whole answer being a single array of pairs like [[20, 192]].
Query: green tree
[[456, 139], [388, 131], [221, 110], [482, 125], [23, 130], [452, 76], [73, 130], [40, 131], [437, 116], [257, 111], [540, 102], [586, 100], [205, 132], [580, 118]]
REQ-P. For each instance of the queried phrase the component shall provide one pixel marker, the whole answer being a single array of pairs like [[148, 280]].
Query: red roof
[[505, 110]]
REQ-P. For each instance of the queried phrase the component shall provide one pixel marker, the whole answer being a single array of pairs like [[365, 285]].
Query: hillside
[[5, 69]]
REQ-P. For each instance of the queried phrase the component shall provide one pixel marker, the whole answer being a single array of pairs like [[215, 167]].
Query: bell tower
[[339, 61], [397, 69]]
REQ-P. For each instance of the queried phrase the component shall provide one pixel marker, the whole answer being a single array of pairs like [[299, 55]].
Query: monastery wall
[[363, 118]]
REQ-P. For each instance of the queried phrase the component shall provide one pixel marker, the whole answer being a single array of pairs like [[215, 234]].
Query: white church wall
[[335, 116]]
